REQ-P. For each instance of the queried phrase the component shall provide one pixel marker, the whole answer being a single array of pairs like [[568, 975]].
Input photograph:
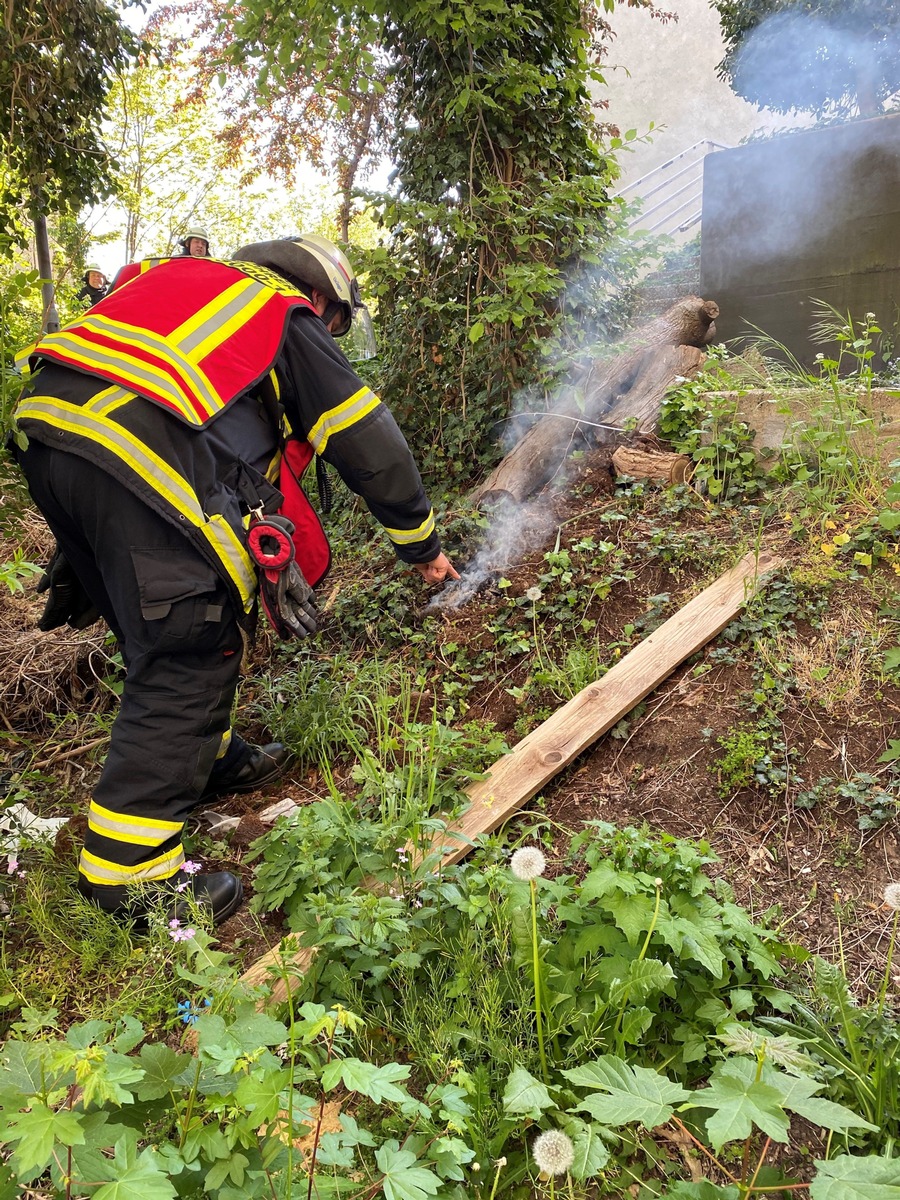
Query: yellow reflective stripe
[[144, 831], [403, 537], [168, 350], [214, 323], [342, 417], [109, 399], [140, 374], [273, 375], [102, 870], [22, 358], [226, 742], [155, 472]]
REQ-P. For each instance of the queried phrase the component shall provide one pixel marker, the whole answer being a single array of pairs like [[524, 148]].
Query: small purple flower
[[182, 887], [182, 935], [12, 864], [402, 855], [191, 868], [174, 923]]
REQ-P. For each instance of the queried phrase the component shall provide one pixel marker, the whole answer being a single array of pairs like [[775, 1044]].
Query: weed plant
[[59, 952]]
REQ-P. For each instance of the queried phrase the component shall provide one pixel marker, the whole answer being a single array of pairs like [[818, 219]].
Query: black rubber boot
[[246, 768], [219, 893]]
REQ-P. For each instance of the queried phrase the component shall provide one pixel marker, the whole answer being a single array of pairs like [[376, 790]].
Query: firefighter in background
[[154, 427], [195, 243], [95, 285]]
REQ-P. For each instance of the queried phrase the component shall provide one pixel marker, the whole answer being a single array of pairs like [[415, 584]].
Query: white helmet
[[195, 231]]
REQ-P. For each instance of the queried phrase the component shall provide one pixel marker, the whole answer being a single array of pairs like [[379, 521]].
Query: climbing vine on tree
[[500, 194]]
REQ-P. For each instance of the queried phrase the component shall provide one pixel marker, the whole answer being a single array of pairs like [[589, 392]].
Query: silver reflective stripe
[[250, 292], [99, 870], [155, 472], [126, 830]]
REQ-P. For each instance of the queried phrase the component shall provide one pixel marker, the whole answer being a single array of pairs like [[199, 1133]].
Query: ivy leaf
[[849, 1177], [138, 1176], [161, 1068], [258, 1030], [738, 1105], [524, 1095], [402, 1179], [629, 1093]]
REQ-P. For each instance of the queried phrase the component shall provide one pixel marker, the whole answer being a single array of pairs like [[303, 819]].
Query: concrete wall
[[811, 215], [666, 73]]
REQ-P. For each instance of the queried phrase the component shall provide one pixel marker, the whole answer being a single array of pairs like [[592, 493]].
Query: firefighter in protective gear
[[157, 428], [95, 285], [195, 243]]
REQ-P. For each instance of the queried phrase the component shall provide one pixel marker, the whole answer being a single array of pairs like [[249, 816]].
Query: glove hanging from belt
[[287, 599], [67, 601]]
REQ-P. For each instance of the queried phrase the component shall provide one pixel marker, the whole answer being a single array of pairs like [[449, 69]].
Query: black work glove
[[67, 602], [288, 602]]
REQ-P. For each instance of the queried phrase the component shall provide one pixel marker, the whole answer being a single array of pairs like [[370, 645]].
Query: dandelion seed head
[[528, 863], [892, 896], [533, 594], [553, 1152]]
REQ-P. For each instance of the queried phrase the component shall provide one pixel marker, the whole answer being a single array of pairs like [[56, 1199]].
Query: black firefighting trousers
[[181, 644]]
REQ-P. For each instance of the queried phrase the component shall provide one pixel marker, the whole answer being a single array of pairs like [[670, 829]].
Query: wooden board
[[519, 775]]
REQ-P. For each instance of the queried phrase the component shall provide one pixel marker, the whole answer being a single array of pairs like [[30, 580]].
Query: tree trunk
[[629, 387], [50, 316], [658, 465]]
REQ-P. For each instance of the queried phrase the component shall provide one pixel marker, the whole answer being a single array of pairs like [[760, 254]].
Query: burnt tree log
[[628, 387]]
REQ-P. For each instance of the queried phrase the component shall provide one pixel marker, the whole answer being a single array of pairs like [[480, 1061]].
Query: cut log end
[[655, 465]]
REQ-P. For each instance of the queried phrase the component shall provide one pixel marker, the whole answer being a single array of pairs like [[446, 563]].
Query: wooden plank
[[514, 779]]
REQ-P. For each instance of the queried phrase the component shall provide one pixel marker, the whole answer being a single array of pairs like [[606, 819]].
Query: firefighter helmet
[[313, 260], [92, 266], [195, 231]]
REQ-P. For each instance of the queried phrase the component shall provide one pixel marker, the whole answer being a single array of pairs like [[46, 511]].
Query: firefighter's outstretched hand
[[437, 570]]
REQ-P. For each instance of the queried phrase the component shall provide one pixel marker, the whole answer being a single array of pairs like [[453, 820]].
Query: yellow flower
[[828, 549], [830, 525]]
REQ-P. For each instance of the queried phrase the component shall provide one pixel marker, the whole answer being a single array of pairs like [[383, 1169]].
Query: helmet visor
[[361, 343]]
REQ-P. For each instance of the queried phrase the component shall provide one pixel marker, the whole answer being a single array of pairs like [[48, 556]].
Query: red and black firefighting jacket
[[190, 357]]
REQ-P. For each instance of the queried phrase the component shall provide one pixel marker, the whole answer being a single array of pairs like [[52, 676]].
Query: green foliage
[[857, 1046], [823, 56], [12, 573], [499, 218], [57, 61], [699, 417], [447, 957]]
